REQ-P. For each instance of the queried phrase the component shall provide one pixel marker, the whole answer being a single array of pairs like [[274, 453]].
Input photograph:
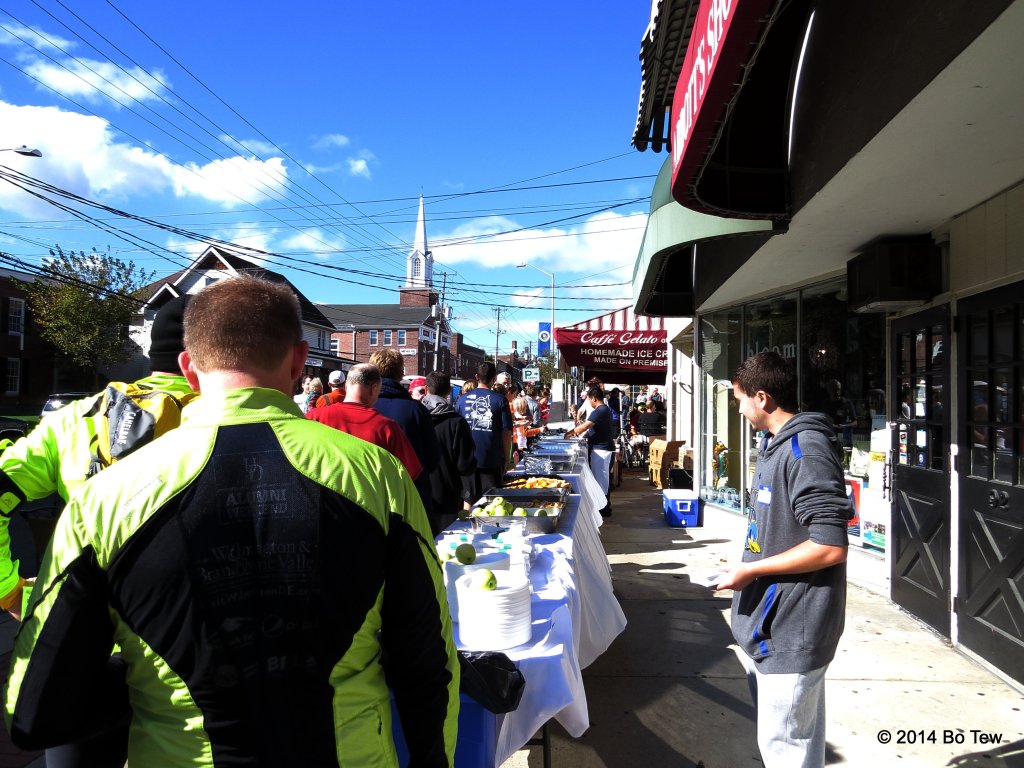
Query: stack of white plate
[[496, 619], [453, 570]]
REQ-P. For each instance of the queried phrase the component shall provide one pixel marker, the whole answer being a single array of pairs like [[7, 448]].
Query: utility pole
[[497, 332], [440, 319]]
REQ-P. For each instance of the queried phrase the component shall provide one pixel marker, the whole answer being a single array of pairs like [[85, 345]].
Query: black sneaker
[[606, 511]]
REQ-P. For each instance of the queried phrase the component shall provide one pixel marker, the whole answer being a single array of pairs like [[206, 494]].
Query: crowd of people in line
[[238, 586], [254, 580], [454, 448]]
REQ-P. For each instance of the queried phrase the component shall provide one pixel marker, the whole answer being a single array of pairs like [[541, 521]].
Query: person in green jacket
[[260, 572], [56, 456]]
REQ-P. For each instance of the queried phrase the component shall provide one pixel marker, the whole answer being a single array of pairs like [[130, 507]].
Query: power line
[[22, 180]]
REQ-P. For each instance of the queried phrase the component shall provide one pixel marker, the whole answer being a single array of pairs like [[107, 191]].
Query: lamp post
[[554, 353], [23, 150]]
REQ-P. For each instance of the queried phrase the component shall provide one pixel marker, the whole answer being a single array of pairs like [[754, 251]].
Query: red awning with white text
[[617, 347]]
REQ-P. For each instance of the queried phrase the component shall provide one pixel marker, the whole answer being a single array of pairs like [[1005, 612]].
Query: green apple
[[519, 512], [465, 554], [542, 513], [485, 579]]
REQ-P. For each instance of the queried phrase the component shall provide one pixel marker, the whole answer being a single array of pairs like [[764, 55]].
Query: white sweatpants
[[790, 716]]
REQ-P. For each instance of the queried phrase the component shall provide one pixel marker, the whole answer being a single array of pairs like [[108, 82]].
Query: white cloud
[[232, 181], [81, 154], [530, 297], [314, 242], [606, 241], [324, 169], [359, 163], [94, 80], [331, 141], [358, 167], [252, 146], [30, 37]]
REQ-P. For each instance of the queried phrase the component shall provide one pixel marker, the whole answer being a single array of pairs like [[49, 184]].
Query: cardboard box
[[664, 453], [658, 476], [682, 508]]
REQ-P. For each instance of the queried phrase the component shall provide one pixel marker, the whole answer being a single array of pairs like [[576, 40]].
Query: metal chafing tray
[[514, 481], [532, 500]]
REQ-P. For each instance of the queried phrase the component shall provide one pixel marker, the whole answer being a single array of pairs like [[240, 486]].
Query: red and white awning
[[618, 346]]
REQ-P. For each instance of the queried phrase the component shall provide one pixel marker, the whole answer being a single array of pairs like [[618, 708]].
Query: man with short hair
[[529, 392], [451, 481], [600, 443], [356, 415], [395, 402], [789, 599], [490, 421], [336, 381], [260, 573]]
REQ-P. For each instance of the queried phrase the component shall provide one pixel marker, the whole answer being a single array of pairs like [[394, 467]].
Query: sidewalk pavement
[[671, 692]]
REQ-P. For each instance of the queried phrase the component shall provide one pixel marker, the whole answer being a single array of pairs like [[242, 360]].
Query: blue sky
[[310, 131]]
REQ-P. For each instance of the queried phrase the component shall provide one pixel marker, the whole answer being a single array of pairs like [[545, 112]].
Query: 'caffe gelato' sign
[[630, 350]]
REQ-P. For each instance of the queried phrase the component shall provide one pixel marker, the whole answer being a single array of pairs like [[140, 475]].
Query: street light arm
[[528, 264], [23, 150]]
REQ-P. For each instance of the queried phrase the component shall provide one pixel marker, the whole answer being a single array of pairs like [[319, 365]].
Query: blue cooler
[[682, 508]]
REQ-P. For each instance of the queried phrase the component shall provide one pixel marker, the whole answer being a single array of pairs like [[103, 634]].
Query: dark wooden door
[[921, 474], [990, 352]]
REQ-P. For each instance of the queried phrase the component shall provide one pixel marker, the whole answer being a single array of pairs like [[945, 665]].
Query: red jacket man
[[356, 416]]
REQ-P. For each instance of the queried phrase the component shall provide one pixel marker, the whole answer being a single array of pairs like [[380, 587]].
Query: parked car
[[56, 402], [12, 429]]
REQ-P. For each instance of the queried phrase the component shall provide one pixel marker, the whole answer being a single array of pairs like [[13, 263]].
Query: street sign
[[531, 374]]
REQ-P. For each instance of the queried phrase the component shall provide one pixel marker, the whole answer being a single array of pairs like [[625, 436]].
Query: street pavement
[[671, 692]]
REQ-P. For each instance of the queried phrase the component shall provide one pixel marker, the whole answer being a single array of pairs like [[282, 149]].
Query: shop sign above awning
[[617, 346], [723, 40]]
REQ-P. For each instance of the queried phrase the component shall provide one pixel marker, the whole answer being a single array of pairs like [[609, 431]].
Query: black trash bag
[[492, 680]]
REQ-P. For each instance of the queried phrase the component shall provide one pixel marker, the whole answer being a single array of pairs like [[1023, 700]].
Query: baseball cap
[[336, 377], [419, 381], [167, 335]]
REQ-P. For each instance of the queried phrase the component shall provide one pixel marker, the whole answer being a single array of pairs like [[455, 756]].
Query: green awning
[[666, 281]]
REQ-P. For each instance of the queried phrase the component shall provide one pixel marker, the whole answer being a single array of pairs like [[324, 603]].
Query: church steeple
[[419, 267], [418, 290]]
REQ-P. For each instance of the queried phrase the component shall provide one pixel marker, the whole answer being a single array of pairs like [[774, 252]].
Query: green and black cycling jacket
[[259, 572]]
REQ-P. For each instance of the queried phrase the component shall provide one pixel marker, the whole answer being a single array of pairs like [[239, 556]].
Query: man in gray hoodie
[[789, 601]]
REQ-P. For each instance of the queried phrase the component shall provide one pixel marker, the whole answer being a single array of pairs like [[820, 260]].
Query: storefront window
[[721, 436], [840, 360], [769, 326]]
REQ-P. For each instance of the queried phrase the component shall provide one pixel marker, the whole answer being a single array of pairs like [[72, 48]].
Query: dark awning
[[665, 273], [617, 347]]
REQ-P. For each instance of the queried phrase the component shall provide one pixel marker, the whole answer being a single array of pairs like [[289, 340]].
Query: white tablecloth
[[575, 618]]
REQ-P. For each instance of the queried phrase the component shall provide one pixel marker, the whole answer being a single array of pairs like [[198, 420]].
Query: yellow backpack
[[130, 416]]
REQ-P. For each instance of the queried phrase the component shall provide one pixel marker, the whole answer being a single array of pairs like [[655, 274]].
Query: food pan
[[517, 481], [534, 524], [517, 496]]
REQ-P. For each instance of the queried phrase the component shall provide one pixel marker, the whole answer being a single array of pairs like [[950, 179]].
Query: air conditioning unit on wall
[[894, 274]]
